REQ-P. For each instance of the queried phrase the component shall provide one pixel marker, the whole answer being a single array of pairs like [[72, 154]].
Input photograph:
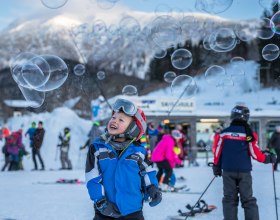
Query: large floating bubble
[[159, 52], [16, 64], [165, 31], [246, 33], [36, 72], [275, 23], [58, 73], [54, 4], [264, 31], [183, 86], [129, 90], [224, 38], [219, 44], [213, 6], [270, 52], [214, 74], [129, 25], [169, 76], [35, 98], [181, 59]]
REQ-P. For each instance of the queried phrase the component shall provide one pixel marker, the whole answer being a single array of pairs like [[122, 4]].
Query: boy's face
[[118, 123]]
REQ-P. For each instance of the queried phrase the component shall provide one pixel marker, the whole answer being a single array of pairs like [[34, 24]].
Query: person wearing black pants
[[37, 143], [274, 145], [239, 183], [165, 158], [233, 149], [164, 167]]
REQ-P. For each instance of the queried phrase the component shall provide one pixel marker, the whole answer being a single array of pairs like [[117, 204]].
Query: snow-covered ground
[[22, 198]]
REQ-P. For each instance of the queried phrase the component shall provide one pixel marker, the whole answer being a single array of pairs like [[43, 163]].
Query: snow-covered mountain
[[125, 45]]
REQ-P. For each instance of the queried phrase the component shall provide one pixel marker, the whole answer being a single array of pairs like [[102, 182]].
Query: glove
[[155, 195], [107, 208], [217, 171], [270, 158]]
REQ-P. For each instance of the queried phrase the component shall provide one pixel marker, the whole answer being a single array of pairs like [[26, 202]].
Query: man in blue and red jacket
[[233, 149]]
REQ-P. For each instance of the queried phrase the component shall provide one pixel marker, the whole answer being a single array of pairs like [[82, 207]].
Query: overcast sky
[[23, 9]]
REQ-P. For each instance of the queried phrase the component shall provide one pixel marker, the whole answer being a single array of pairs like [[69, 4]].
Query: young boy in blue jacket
[[118, 174]]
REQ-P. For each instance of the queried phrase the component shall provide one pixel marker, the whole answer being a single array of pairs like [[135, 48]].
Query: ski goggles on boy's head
[[126, 106]]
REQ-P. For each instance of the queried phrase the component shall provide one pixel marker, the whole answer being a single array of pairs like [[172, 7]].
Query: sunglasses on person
[[126, 106]]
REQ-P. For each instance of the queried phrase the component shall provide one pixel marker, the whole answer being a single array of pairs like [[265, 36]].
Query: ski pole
[[275, 198], [200, 197]]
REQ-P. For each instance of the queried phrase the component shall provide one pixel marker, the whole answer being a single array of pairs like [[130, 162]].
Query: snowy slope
[[22, 198]]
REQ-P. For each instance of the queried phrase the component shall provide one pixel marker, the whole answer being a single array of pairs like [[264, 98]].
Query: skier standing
[[36, 146], [165, 158], [30, 132], [233, 150], [117, 169], [94, 133], [274, 144], [5, 134], [13, 146], [64, 150]]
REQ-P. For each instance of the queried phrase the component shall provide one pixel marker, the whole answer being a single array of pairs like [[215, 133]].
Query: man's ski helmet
[[139, 124], [240, 112]]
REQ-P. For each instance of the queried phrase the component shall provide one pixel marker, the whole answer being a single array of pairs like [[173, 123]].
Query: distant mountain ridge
[[127, 49]]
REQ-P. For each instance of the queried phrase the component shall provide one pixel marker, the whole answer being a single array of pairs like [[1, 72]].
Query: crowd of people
[[121, 160]]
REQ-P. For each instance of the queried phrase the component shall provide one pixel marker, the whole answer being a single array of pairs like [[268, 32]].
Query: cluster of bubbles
[[37, 74], [221, 40], [169, 30], [222, 77], [213, 6]]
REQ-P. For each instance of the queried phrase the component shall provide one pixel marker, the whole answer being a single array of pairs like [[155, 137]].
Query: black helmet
[[66, 130], [240, 112]]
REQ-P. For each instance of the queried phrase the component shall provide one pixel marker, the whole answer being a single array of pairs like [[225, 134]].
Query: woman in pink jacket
[[165, 157]]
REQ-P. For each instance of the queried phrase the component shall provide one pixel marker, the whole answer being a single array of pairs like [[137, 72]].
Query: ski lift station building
[[198, 116]]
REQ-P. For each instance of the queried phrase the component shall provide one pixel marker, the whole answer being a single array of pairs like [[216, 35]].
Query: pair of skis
[[63, 181], [200, 208]]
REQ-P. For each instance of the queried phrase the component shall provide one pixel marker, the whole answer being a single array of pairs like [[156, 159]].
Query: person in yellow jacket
[[64, 149]]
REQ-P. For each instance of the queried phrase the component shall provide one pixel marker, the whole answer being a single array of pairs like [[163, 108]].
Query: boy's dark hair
[[40, 122]]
